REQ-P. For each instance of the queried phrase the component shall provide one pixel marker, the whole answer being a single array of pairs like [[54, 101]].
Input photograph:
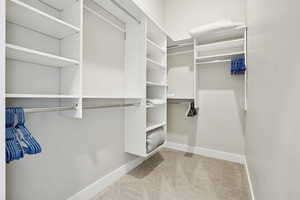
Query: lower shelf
[[152, 126], [156, 150]]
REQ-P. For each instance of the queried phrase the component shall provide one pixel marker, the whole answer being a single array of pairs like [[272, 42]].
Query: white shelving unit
[[43, 52], [221, 47], [15, 52], [23, 14]]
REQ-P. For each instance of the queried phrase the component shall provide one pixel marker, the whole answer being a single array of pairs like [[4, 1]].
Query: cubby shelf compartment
[[41, 96], [152, 44], [149, 84], [155, 65], [152, 126], [30, 17], [155, 150], [29, 55], [219, 56]]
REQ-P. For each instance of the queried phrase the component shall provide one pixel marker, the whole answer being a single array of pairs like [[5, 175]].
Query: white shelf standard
[[27, 16], [19, 53]]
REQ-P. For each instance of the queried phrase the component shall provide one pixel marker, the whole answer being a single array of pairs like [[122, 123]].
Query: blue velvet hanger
[[13, 148], [29, 144]]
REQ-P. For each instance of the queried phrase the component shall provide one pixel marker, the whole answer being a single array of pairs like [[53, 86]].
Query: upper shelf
[[154, 65], [152, 44], [227, 34], [27, 16], [40, 96], [219, 56], [221, 45], [156, 84], [32, 56]]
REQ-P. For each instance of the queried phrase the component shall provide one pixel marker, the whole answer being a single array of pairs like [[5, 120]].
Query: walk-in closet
[[149, 100]]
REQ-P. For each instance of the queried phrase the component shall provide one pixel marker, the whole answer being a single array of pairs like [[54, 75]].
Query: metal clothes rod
[[126, 11], [211, 62], [64, 108], [104, 19]]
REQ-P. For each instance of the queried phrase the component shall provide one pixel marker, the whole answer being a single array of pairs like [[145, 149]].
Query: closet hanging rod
[[104, 19], [126, 11], [215, 61], [64, 108], [181, 52]]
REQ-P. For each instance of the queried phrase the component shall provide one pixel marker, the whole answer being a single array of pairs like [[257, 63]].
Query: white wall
[[181, 16], [272, 136], [220, 121], [2, 100], [154, 8]]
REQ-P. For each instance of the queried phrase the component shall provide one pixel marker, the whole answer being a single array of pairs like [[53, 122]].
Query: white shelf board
[[153, 44], [219, 56], [42, 96], [106, 97], [29, 55], [156, 84], [154, 65], [222, 35], [152, 126], [155, 150], [155, 105], [28, 16], [221, 45], [60, 4]]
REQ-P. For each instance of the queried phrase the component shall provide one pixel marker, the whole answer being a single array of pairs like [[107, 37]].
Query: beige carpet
[[173, 175]]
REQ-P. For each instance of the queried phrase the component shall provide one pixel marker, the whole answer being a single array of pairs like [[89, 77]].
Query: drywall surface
[[272, 136], [2, 99], [154, 8], [220, 121], [75, 154], [181, 16]]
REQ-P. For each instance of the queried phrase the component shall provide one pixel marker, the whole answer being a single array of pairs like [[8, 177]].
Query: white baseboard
[[249, 180], [98, 186], [237, 158]]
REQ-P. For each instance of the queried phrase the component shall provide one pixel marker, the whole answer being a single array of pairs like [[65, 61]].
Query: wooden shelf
[[41, 96], [32, 56], [152, 126], [30, 17], [156, 84]]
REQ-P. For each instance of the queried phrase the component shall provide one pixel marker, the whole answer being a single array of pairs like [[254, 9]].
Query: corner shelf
[[153, 126], [156, 84], [155, 65], [28, 16], [153, 44], [29, 55]]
